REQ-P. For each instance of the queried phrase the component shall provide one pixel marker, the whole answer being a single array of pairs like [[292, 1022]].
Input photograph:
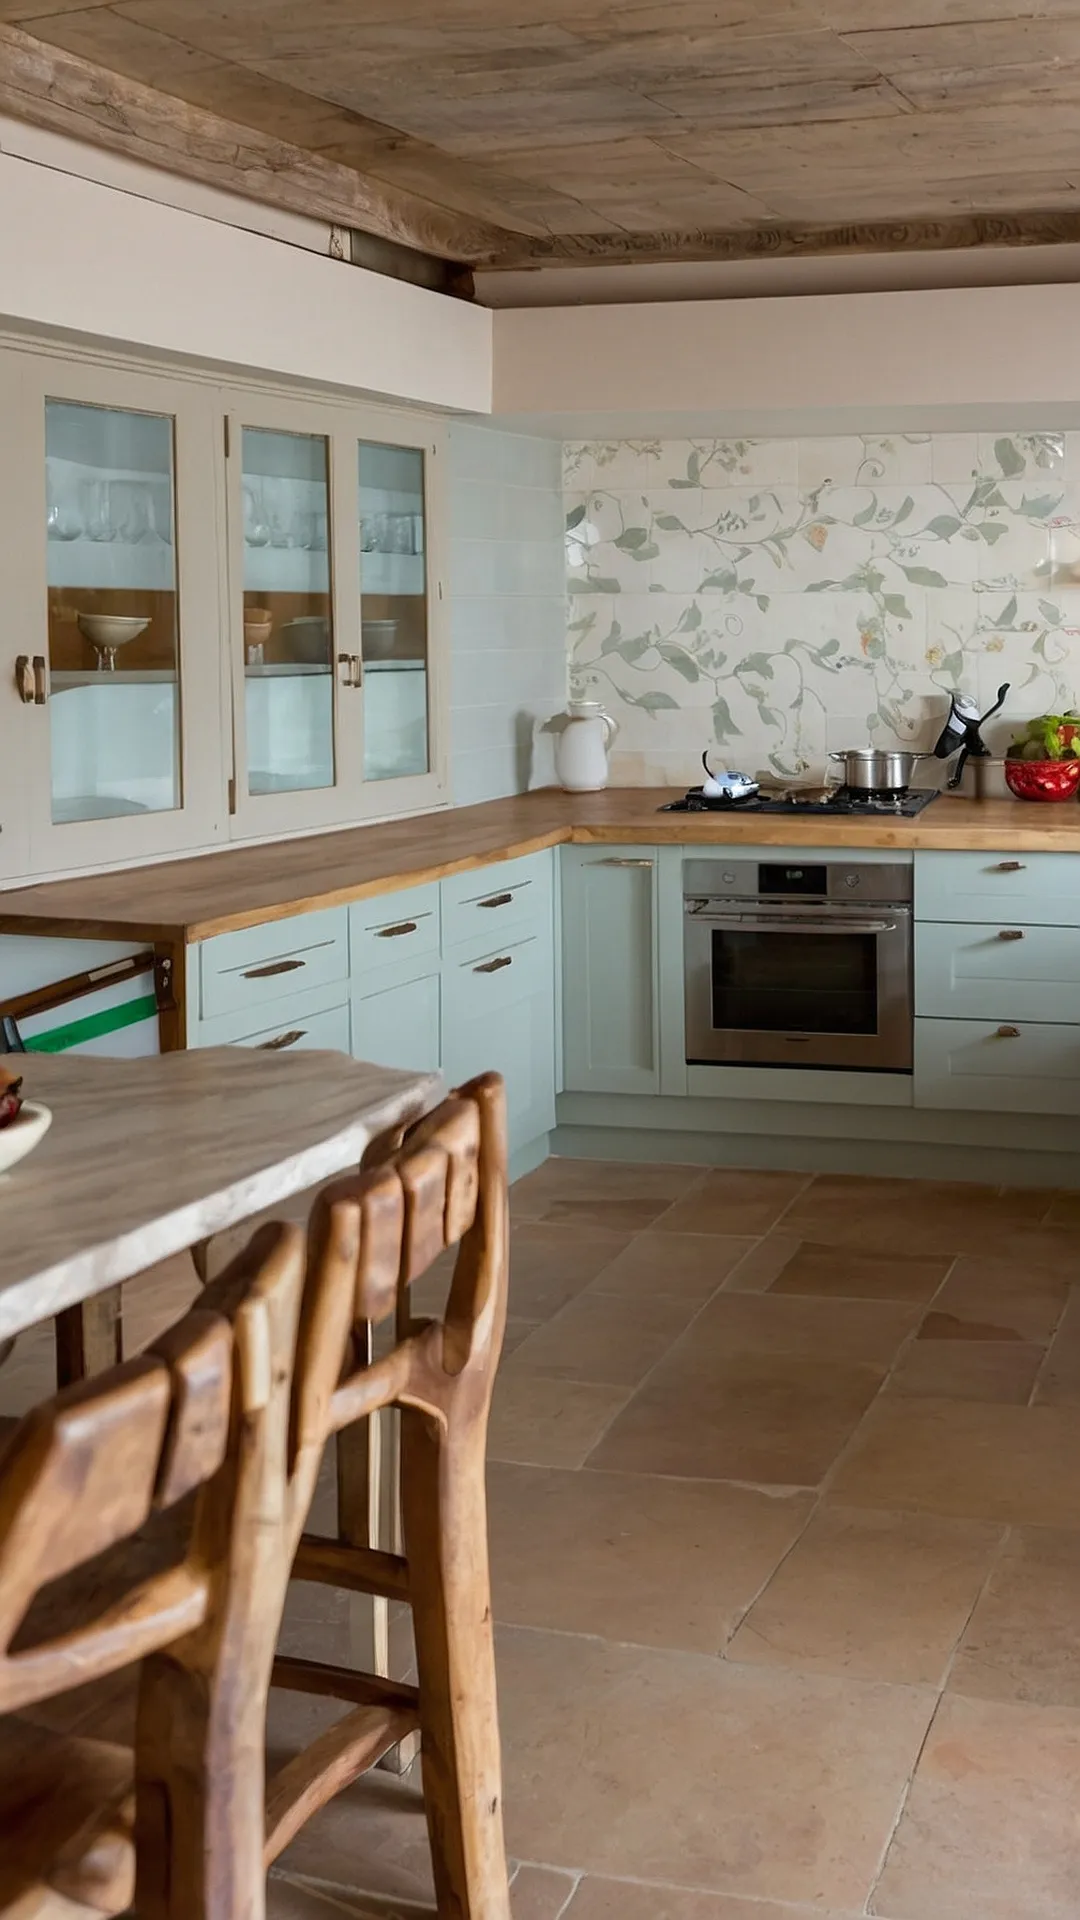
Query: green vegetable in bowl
[[1054, 736]]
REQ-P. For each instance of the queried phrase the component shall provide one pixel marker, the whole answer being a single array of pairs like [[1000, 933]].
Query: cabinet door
[[997, 1068], [401, 614], [499, 1016], [609, 944], [398, 1026], [294, 616], [110, 566]]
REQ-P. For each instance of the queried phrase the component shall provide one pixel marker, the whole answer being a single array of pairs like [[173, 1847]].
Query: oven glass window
[[794, 982]]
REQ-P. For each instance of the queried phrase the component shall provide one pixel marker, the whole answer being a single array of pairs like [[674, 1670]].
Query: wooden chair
[[216, 1433], [444, 1184]]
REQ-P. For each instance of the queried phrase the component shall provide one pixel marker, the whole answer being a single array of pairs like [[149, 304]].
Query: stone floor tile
[[990, 1829], [540, 1893], [604, 1338], [772, 1419], [288, 1899], [1059, 1381], [877, 1596], [549, 1265], [856, 1273], [676, 1768], [976, 1461], [869, 1330], [370, 1839], [631, 1557], [732, 1202], [624, 1900], [672, 1266], [621, 1195], [545, 1421], [995, 1300], [1004, 1370], [924, 1217], [766, 1260], [1023, 1639]]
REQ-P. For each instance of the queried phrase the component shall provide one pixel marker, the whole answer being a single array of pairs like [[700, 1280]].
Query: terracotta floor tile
[[632, 1557], [1003, 1370], [773, 1419], [868, 1330], [1023, 1640], [549, 1265], [604, 1338], [766, 1259], [924, 1217], [1016, 1464], [996, 1300], [990, 1830], [877, 1596], [672, 1266], [734, 1202], [622, 1900], [673, 1767], [622, 1195], [544, 1421], [539, 1893], [852, 1273], [1059, 1382]]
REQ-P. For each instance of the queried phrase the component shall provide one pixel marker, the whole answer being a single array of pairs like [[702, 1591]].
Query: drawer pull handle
[[281, 1040], [391, 933], [494, 966], [1011, 933], [497, 900], [276, 966], [1008, 1033], [613, 861], [1010, 866]]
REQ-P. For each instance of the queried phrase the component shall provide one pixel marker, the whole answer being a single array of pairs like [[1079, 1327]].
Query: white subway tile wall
[[507, 610], [774, 600]]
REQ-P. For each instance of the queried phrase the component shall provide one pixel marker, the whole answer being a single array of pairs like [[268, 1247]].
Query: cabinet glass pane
[[288, 611], [394, 611], [112, 611]]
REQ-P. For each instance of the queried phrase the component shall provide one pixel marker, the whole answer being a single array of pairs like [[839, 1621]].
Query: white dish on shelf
[[112, 629], [23, 1134]]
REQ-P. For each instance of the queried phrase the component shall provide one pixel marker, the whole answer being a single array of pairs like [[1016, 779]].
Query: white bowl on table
[[23, 1134]]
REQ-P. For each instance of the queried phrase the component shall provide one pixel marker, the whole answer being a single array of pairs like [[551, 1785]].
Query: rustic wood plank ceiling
[[512, 131]]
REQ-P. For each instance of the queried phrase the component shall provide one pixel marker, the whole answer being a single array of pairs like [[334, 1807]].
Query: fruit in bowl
[[1043, 762], [10, 1096]]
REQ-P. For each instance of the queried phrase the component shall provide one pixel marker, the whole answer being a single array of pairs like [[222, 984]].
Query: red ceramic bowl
[[1043, 779]]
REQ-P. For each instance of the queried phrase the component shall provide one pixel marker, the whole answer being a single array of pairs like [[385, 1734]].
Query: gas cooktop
[[841, 800]]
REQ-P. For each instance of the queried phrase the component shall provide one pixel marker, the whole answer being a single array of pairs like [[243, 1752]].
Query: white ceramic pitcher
[[581, 750]]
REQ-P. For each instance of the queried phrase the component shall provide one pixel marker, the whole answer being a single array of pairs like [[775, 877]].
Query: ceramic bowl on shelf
[[107, 631], [1043, 779], [378, 638], [23, 1134]]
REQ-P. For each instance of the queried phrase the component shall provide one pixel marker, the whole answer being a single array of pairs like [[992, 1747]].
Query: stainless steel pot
[[878, 769]]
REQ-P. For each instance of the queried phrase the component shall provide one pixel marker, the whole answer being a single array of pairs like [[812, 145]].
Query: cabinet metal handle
[[1010, 866], [41, 680], [1011, 933], [352, 669], [1008, 1033], [391, 933], [276, 966], [32, 679], [494, 966], [282, 1040], [613, 862], [497, 900]]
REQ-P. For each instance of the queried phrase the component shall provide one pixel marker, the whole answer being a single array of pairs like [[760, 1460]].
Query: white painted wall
[[80, 257], [507, 620], [868, 362]]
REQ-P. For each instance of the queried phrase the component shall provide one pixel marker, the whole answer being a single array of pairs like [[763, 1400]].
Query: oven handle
[[781, 923]]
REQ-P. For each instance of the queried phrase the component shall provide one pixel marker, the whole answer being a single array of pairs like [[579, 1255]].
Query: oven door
[[793, 985]]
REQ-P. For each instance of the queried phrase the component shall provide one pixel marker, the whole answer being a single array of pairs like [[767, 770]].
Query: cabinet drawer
[[328, 1028], [399, 1025], [242, 972], [1016, 890], [997, 972], [392, 928], [495, 980], [503, 1021], [997, 1068], [478, 907]]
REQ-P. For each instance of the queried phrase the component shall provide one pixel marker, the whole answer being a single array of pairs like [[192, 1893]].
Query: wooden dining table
[[148, 1157]]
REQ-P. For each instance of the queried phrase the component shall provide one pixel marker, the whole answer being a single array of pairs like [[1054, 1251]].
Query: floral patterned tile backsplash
[[775, 600]]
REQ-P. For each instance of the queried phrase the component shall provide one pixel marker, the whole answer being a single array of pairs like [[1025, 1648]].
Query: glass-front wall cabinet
[[224, 613]]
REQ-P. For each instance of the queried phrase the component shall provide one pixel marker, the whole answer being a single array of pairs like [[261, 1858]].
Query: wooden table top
[[183, 901], [146, 1157]]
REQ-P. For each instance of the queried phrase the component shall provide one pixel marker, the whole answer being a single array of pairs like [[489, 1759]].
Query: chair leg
[[369, 1516], [445, 1517]]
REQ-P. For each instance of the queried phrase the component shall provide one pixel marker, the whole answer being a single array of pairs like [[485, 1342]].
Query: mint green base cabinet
[[611, 1039], [998, 1067], [397, 1024], [499, 1015]]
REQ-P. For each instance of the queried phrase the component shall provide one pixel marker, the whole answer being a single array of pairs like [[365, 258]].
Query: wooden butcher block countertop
[[191, 900]]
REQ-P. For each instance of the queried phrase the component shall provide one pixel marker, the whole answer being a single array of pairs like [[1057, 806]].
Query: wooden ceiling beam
[[960, 231], [52, 88]]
